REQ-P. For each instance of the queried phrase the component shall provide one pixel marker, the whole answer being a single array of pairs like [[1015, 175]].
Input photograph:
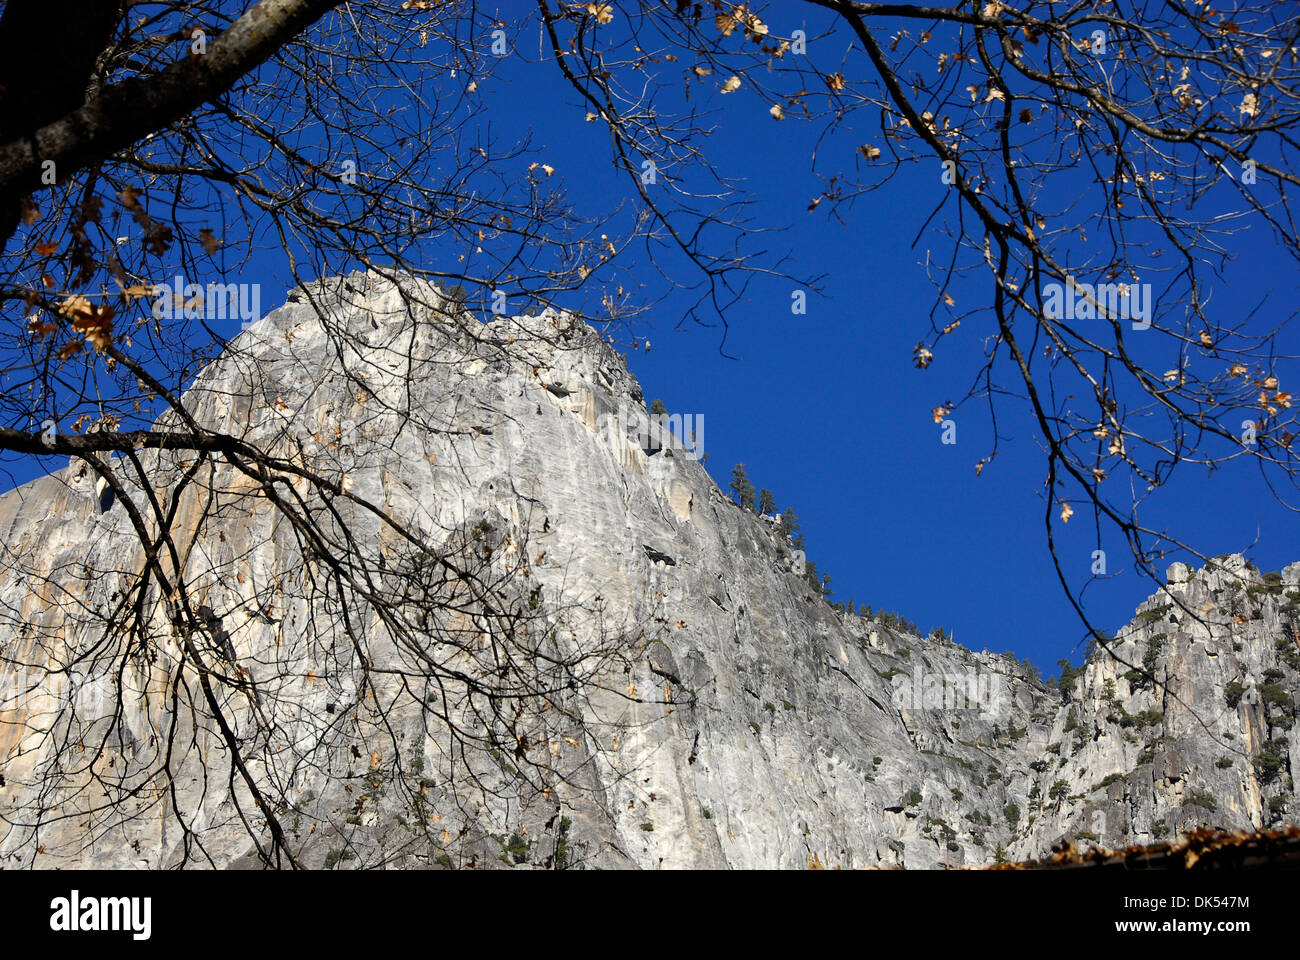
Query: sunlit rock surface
[[755, 726]]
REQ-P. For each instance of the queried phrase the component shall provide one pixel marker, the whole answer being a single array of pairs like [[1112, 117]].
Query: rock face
[[733, 718]]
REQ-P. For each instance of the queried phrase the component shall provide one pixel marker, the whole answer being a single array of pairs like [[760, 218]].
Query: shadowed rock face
[[752, 726]]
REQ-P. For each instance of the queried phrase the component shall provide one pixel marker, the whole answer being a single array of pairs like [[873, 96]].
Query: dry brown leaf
[[209, 241], [129, 198]]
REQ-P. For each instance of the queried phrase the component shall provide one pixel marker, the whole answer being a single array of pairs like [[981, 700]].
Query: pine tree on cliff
[[810, 574], [766, 502], [741, 486], [789, 525]]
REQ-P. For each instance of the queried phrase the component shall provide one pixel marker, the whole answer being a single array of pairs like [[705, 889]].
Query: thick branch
[[128, 111]]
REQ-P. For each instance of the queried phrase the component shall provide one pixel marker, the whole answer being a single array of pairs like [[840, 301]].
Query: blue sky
[[827, 410]]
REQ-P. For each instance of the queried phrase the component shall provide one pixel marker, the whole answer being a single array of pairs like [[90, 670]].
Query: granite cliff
[[732, 718]]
